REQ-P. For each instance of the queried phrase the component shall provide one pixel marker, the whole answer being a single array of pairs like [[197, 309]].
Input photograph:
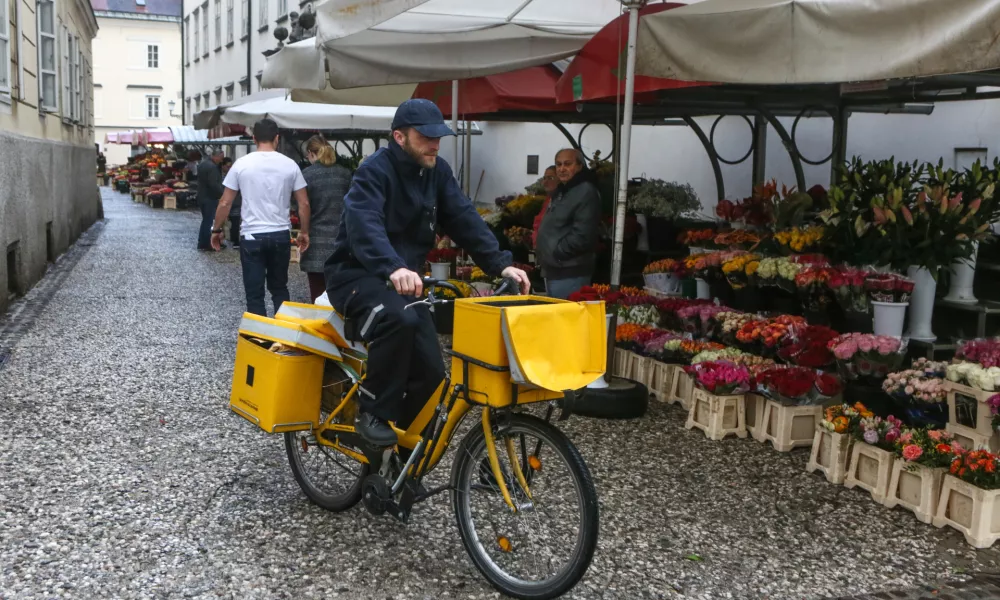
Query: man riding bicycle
[[398, 198]]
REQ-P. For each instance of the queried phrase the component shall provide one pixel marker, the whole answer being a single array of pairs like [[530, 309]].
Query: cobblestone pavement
[[124, 475]]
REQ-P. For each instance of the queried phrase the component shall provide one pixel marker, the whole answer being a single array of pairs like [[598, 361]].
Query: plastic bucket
[[889, 317], [441, 270], [704, 291]]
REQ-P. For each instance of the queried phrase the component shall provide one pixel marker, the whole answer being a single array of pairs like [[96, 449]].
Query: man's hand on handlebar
[[520, 277], [406, 282]]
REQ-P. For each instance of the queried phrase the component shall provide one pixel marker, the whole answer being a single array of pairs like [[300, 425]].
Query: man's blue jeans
[[265, 260], [208, 208]]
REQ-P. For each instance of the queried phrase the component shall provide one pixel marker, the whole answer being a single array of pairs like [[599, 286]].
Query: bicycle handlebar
[[509, 286]]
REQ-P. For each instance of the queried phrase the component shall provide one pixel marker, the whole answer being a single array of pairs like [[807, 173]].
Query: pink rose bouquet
[[720, 377], [867, 355]]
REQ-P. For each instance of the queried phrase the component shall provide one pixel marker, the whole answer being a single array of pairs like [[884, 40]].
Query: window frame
[[152, 56], [218, 24], [263, 13], [78, 100], [5, 70], [152, 105], [246, 19], [45, 104], [230, 16], [204, 28], [197, 30]]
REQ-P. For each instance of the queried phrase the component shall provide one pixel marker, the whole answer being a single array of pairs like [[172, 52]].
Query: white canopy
[[384, 42], [302, 115], [818, 41], [208, 117]]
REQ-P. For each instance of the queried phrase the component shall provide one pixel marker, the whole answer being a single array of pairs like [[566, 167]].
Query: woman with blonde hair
[[327, 182]]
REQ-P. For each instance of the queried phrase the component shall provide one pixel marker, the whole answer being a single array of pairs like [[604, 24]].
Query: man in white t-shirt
[[266, 180]]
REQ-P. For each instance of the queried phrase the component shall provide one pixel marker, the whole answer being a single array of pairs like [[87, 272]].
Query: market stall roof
[[531, 89], [208, 117], [817, 41], [302, 115], [111, 138], [597, 72], [384, 42]]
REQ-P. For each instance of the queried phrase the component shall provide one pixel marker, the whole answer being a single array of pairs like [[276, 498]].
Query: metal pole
[[468, 157], [626, 139], [454, 120]]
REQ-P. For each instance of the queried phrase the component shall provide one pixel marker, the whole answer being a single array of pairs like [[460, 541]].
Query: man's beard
[[423, 160]]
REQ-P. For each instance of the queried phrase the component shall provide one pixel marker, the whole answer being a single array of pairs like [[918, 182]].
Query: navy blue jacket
[[391, 212]]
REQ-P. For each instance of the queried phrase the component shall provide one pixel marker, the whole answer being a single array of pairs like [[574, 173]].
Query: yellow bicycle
[[524, 499]]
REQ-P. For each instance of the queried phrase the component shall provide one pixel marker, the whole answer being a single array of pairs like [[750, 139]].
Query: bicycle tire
[[330, 502], [589, 520]]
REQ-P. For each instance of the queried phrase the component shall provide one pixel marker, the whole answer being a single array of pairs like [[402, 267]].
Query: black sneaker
[[374, 430]]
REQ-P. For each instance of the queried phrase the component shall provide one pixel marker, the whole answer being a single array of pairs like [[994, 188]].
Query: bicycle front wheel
[[542, 549]]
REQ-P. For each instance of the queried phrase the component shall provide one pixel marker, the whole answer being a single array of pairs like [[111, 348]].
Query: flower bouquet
[[442, 255], [663, 199], [697, 237], [848, 287], [933, 448], [681, 351], [795, 386], [655, 341], [519, 236], [983, 351], [979, 467], [879, 432], [730, 354], [864, 355], [737, 239], [799, 239], [807, 347], [888, 287], [974, 375], [845, 418], [813, 288], [735, 270], [639, 314], [626, 334], [727, 323], [721, 378], [664, 275]]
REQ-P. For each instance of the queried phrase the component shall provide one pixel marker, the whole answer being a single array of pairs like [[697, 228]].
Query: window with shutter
[[4, 50], [229, 21], [48, 91], [218, 24]]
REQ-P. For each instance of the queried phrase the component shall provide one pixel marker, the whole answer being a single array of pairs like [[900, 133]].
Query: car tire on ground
[[622, 399]]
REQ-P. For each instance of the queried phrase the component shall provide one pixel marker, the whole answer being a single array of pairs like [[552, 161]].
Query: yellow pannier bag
[[538, 346]]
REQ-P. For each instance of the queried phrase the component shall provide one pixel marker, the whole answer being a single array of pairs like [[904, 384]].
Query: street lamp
[[170, 106]]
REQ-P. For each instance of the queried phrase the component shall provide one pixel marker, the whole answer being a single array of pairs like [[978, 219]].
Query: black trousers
[[405, 366], [208, 208], [265, 261]]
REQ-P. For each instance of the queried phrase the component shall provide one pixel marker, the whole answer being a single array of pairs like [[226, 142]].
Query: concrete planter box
[[754, 414], [788, 427], [973, 511], [870, 469], [831, 453], [662, 380], [915, 488], [717, 416]]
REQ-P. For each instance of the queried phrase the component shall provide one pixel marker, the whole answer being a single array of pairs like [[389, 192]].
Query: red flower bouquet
[[721, 378], [442, 255], [983, 351], [807, 347]]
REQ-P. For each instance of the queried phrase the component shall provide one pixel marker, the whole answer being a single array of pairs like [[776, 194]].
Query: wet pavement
[[124, 474]]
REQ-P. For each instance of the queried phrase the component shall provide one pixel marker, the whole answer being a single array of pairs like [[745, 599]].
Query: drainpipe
[[183, 71], [249, 46]]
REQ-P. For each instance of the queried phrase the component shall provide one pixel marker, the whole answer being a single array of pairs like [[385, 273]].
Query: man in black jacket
[[398, 198], [567, 238], [209, 192]]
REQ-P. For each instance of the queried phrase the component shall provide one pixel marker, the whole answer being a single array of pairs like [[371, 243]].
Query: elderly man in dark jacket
[[209, 192], [567, 238], [398, 198]]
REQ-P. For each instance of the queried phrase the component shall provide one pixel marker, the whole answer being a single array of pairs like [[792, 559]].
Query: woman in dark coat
[[327, 183]]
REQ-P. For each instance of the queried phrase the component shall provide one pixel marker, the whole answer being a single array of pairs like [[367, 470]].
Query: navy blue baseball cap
[[422, 115]]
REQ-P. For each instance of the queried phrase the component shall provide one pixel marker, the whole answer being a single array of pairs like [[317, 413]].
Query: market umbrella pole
[[633, 7], [454, 121]]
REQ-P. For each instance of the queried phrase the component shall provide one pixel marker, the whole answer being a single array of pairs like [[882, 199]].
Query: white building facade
[[137, 69]]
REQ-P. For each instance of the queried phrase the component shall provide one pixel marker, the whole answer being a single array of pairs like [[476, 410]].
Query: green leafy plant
[[668, 200]]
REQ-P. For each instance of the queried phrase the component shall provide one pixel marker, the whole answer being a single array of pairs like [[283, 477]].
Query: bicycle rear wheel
[[542, 550]]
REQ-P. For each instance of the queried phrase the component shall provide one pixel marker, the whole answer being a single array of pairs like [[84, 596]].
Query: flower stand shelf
[[870, 469], [662, 380], [830, 454], [681, 389], [916, 488], [642, 369], [973, 511], [788, 427], [623, 362], [754, 414], [717, 416], [981, 436]]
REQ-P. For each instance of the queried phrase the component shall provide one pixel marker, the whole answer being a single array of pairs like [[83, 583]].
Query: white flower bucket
[[922, 304], [482, 287], [441, 270], [704, 292], [889, 317], [963, 273], [669, 283], [650, 279]]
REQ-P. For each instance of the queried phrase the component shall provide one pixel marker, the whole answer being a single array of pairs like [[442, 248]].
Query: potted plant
[[889, 295], [440, 260], [662, 202]]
